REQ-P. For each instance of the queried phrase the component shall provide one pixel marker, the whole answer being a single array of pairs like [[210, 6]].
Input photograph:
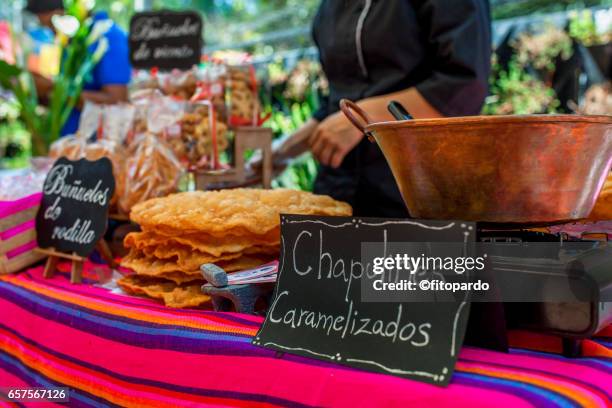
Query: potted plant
[[544, 50], [515, 92]]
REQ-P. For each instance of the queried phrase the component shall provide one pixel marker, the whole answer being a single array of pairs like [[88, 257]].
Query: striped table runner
[[112, 349]]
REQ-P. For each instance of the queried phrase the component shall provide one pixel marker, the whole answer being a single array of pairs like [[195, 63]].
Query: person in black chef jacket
[[432, 56]]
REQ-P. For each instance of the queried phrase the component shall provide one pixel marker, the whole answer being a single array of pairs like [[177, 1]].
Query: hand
[[254, 165], [286, 148], [333, 139]]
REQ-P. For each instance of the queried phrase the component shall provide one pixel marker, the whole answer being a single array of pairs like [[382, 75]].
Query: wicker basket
[[18, 233]]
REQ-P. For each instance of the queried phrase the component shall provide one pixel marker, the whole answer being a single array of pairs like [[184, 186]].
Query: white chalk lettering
[[56, 184], [80, 232], [151, 28]]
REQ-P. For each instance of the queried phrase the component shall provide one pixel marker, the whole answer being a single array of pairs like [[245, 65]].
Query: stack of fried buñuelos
[[234, 229]]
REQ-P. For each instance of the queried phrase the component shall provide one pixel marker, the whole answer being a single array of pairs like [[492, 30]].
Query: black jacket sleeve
[[458, 36], [323, 111]]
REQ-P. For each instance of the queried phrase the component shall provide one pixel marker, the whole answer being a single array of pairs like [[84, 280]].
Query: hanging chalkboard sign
[[165, 39], [319, 308], [74, 210]]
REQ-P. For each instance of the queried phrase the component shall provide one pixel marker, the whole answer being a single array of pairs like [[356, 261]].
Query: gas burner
[[556, 232], [572, 322]]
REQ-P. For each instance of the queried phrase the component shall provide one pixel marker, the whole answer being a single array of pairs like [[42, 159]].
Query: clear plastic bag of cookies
[[151, 170], [211, 86], [91, 119], [141, 101], [242, 95], [143, 79], [117, 122], [162, 112], [181, 84], [203, 136], [163, 120], [70, 146]]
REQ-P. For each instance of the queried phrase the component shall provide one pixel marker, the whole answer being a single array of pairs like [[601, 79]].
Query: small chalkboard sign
[[73, 214], [165, 39], [318, 309]]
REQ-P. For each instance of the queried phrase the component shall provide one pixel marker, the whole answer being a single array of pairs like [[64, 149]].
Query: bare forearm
[[413, 101], [101, 97], [297, 143]]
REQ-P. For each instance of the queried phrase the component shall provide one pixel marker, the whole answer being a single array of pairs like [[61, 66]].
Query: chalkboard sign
[[318, 309], [165, 39], [74, 210]]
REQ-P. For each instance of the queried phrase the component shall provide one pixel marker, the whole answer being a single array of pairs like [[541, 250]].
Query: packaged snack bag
[[202, 136], [71, 147], [242, 95], [117, 122], [151, 170]]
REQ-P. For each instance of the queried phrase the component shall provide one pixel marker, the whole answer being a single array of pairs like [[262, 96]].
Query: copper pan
[[501, 169]]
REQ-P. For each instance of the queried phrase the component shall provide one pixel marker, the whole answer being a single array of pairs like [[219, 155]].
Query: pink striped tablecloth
[[111, 349]]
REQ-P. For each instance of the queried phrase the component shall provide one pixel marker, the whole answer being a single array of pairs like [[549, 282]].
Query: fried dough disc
[[188, 256], [256, 211], [173, 295], [185, 261], [178, 277], [202, 242], [181, 277], [171, 248], [185, 256], [152, 266], [162, 230], [140, 263], [189, 295]]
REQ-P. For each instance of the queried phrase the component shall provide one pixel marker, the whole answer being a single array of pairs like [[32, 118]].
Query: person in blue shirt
[[108, 81]]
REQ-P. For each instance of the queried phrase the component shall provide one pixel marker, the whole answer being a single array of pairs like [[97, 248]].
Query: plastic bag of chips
[[151, 170], [72, 147]]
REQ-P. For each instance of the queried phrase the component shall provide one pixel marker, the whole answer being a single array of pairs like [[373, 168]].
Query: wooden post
[[106, 253], [76, 272], [50, 267], [248, 137]]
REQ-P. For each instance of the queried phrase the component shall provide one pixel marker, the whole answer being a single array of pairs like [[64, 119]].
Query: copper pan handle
[[348, 107]]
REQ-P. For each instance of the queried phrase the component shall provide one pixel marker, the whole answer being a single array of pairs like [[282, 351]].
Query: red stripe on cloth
[[593, 349], [18, 229], [566, 367], [606, 331], [21, 249], [534, 341], [8, 208], [553, 344]]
